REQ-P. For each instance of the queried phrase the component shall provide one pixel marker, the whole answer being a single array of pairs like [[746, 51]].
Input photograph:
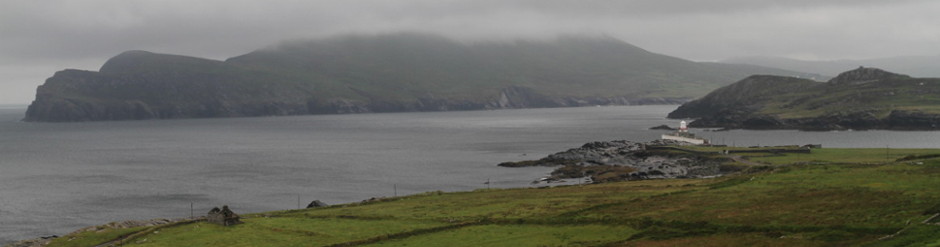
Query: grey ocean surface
[[58, 177]]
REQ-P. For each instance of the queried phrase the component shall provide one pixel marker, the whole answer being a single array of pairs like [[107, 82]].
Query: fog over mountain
[[38, 38], [380, 73], [918, 66]]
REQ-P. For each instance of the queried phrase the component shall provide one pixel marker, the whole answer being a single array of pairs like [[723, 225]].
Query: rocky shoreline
[[863, 120], [45, 240], [621, 160], [601, 161]]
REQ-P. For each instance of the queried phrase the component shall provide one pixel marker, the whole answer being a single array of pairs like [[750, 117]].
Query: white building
[[683, 135]]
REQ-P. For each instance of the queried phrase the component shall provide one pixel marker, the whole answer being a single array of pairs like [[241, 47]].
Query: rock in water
[[662, 127]]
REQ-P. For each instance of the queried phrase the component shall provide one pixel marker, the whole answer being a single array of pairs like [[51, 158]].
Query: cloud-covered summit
[[39, 37]]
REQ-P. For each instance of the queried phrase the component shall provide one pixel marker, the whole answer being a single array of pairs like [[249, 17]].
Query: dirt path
[[120, 240]]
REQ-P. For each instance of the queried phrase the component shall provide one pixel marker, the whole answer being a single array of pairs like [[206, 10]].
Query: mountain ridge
[[864, 98], [379, 73]]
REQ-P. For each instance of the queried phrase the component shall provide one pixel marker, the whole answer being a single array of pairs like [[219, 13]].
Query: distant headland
[[379, 73], [860, 99]]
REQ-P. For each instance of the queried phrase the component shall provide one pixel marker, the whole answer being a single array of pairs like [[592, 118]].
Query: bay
[[58, 177]]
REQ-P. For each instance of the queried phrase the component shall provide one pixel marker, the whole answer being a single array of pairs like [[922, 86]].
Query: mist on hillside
[[41, 37]]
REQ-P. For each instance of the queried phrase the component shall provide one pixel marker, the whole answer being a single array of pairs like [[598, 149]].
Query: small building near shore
[[223, 217]]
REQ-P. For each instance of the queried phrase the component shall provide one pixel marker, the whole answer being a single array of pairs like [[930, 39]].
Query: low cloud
[[82, 34]]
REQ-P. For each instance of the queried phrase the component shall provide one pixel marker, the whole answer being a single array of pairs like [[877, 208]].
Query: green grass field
[[842, 155], [845, 197]]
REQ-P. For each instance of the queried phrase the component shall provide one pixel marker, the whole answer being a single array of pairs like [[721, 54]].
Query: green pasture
[[843, 197], [520, 235], [841, 155]]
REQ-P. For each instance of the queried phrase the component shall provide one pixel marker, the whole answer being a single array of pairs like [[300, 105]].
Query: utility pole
[[887, 153], [191, 214], [395, 188]]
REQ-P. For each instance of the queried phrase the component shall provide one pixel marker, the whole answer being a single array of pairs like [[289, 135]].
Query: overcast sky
[[39, 37]]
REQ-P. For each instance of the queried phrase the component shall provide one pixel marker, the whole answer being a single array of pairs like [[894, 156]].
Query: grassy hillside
[[416, 64], [830, 197], [864, 98], [878, 98]]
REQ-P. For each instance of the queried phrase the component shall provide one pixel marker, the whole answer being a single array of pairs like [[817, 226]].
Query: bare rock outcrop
[[317, 204], [625, 160]]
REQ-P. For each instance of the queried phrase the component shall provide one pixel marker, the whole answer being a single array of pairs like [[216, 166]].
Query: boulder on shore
[[317, 204]]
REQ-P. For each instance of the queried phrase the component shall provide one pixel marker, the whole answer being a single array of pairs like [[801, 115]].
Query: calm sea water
[[55, 178]]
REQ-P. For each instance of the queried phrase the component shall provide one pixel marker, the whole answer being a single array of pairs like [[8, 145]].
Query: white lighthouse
[[683, 135]]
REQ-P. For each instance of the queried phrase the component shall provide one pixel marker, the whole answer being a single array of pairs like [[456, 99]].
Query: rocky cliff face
[[865, 98], [73, 95], [140, 85]]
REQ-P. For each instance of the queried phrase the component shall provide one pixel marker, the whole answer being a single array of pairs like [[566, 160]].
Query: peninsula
[[622, 160], [860, 99]]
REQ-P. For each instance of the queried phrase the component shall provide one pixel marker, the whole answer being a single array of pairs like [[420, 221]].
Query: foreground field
[[831, 197]]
